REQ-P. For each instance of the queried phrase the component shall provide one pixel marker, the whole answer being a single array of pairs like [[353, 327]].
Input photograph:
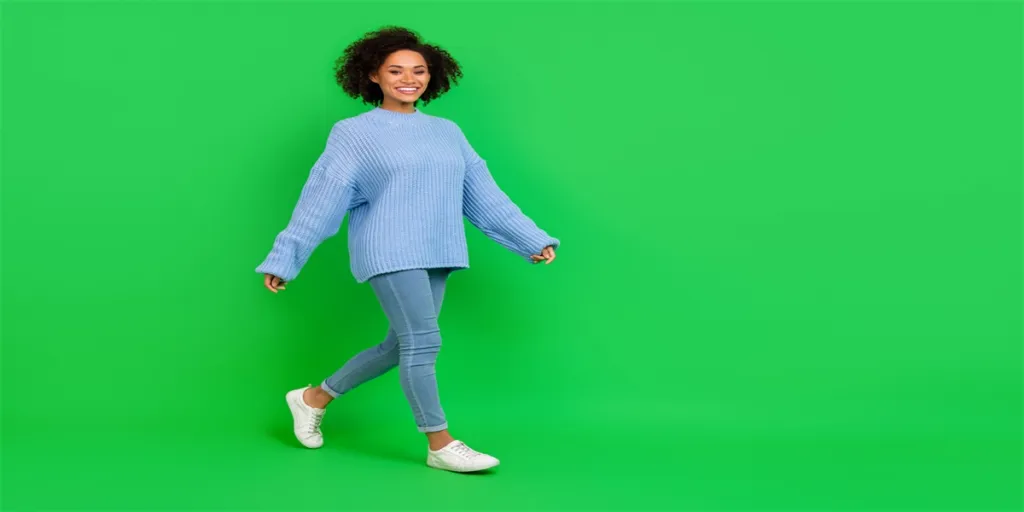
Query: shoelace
[[314, 424], [465, 451]]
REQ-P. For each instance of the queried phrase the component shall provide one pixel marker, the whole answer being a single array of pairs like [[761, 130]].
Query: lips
[[408, 90]]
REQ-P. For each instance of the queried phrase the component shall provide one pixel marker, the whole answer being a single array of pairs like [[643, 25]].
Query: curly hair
[[361, 58]]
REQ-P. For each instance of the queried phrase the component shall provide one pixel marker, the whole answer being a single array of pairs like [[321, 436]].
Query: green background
[[790, 278]]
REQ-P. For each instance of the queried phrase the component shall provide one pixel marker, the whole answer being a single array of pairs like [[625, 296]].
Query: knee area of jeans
[[420, 329], [420, 355], [388, 345], [419, 333]]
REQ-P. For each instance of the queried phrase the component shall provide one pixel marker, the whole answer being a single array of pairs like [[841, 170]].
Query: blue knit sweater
[[406, 181]]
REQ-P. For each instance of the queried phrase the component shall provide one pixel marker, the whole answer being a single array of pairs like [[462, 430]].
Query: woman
[[406, 179]]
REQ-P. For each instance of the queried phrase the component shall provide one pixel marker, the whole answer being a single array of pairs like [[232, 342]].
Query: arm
[[325, 198], [489, 209]]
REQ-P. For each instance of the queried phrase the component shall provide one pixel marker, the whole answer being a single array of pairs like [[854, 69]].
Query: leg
[[364, 366], [374, 361], [406, 299], [408, 302], [309, 404]]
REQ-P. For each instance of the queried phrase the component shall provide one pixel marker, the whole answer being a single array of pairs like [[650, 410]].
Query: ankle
[[316, 397], [438, 440]]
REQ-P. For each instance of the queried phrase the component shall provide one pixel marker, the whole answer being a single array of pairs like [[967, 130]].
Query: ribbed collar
[[393, 117]]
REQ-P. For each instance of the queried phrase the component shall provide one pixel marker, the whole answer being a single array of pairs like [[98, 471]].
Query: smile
[[408, 90]]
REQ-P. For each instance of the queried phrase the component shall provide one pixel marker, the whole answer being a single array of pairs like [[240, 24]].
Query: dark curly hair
[[361, 58]]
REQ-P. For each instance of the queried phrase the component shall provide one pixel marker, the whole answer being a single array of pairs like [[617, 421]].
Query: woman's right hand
[[273, 283]]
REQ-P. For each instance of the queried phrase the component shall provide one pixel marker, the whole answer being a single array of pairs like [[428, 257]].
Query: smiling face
[[402, 78]]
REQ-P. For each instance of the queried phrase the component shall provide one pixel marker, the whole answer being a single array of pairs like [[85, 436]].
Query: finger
[[267, 282], [549, 254], [274, 283]]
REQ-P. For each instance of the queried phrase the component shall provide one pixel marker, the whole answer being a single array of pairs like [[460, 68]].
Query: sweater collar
[[397, 117]]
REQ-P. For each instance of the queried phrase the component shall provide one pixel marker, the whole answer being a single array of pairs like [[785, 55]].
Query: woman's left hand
[[547, 256]]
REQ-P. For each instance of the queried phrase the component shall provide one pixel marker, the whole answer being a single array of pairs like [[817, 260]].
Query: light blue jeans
[[411, 300]]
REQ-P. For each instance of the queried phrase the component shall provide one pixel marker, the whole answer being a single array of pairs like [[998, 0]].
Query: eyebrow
[[398, 66]]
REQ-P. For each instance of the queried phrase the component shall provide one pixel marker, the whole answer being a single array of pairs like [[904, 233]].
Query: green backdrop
[[790, 278]]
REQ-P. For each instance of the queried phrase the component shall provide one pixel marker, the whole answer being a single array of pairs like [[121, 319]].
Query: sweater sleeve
[[489, 209], [323, 202]]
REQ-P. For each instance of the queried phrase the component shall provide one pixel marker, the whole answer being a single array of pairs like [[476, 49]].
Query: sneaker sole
[[431, 463]]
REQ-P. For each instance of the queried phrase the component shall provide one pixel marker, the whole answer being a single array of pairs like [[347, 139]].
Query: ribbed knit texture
[[406, 181]]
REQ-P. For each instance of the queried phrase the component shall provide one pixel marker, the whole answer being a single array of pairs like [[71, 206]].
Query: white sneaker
[[459, 458], [306, 419]]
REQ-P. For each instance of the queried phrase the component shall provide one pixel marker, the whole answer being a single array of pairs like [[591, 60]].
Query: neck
[[398, 106]]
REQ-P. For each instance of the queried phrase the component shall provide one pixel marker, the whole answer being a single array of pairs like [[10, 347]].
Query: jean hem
[[325, 387], [427, 430]]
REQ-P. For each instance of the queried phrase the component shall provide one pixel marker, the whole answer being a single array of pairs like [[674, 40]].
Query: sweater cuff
[[276, 266], [537, 247]]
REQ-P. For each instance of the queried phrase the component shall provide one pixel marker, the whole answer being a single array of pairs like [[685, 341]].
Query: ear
[[373, 78]]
